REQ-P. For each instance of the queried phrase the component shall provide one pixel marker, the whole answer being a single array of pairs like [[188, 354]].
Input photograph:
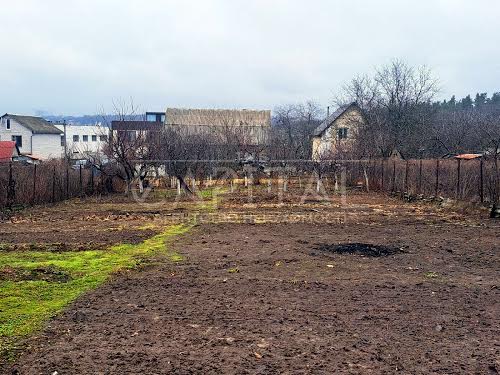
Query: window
[[76, 138], [8, 124], [85, 138], [103, 138], [62, 140], [94, 138], [18, 139], [342, 132], [151, 117], [131, 135], [155, 117]]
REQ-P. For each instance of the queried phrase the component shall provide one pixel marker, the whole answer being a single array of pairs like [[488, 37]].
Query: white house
[[83, 140], [34, 136], [337, 135]]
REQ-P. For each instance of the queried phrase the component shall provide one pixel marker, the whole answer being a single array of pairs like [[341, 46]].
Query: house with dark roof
[[337, 134], [33, 136]]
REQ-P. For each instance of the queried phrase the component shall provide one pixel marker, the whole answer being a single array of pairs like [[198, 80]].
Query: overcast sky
[[75, 57]]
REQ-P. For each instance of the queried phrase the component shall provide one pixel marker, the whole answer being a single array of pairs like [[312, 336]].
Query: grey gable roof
[[36, 124], [332, 118]]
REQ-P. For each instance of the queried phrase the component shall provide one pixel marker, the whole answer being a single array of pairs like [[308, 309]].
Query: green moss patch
[[35, 285]]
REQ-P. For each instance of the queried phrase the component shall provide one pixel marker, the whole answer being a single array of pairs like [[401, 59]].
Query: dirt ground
[[83, 224], [260, 297]]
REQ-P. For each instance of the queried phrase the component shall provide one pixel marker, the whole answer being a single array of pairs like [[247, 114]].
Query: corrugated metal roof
[[36, 124], [332, 118], [218, 117]]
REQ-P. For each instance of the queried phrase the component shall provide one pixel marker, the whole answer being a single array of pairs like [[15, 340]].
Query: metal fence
[[44, 183], [469, 180]]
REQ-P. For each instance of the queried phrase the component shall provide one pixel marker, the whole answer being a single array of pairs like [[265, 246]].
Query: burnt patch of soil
[[357, 248], [49, 273]]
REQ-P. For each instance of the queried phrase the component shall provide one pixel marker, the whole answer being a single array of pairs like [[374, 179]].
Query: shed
[[8, 151]]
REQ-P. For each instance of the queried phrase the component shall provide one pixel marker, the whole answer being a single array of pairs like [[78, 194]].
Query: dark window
[[76, 138], [8, 124], [342, 132], [85, 138], [62, 140], [94, 138], [18, 139], [103, 138], [155, 117]]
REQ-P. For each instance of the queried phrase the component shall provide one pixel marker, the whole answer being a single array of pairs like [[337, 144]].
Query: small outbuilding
[[9, 151]]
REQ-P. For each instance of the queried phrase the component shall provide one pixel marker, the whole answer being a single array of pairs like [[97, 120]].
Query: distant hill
[[80, 120]]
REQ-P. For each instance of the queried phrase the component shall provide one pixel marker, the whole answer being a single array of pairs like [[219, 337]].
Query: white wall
[[16, 129], [82, 148], [47, 146]]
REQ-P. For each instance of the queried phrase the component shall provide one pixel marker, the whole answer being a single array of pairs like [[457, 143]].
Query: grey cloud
[[74, 57]]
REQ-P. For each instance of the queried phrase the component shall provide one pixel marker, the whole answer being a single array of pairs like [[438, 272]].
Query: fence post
[[34, 187], [67, 182], [54, 184], [81, 181], [437, 178], [383, 169], [393, 176], [11, 189], [458, 177], [420, 177], [406, 176], [367, 182], [92, 180], [481, 181]]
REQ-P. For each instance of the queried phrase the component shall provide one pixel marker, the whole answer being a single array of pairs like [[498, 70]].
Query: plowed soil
[[259, 298]]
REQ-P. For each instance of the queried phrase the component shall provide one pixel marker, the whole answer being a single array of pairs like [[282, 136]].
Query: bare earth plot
[[265, 295]]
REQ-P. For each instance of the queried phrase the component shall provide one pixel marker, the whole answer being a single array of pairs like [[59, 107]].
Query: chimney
[[328, 111]]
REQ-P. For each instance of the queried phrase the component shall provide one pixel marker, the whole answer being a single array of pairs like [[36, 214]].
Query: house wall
[[80, 149], [16, 129], [47, 146], [329, 142], [245, 134]]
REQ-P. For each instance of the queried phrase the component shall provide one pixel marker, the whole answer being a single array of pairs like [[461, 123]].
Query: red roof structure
[[468, 156], [8, 150]]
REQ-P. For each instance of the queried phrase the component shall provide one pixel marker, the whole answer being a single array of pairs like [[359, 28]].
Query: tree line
[[398, 102]]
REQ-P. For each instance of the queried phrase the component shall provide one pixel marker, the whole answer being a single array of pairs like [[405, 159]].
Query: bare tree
[[396, 102], [130, 154], [293, 125]]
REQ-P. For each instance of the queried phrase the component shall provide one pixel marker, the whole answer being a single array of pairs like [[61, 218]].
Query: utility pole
[[65, 140]]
